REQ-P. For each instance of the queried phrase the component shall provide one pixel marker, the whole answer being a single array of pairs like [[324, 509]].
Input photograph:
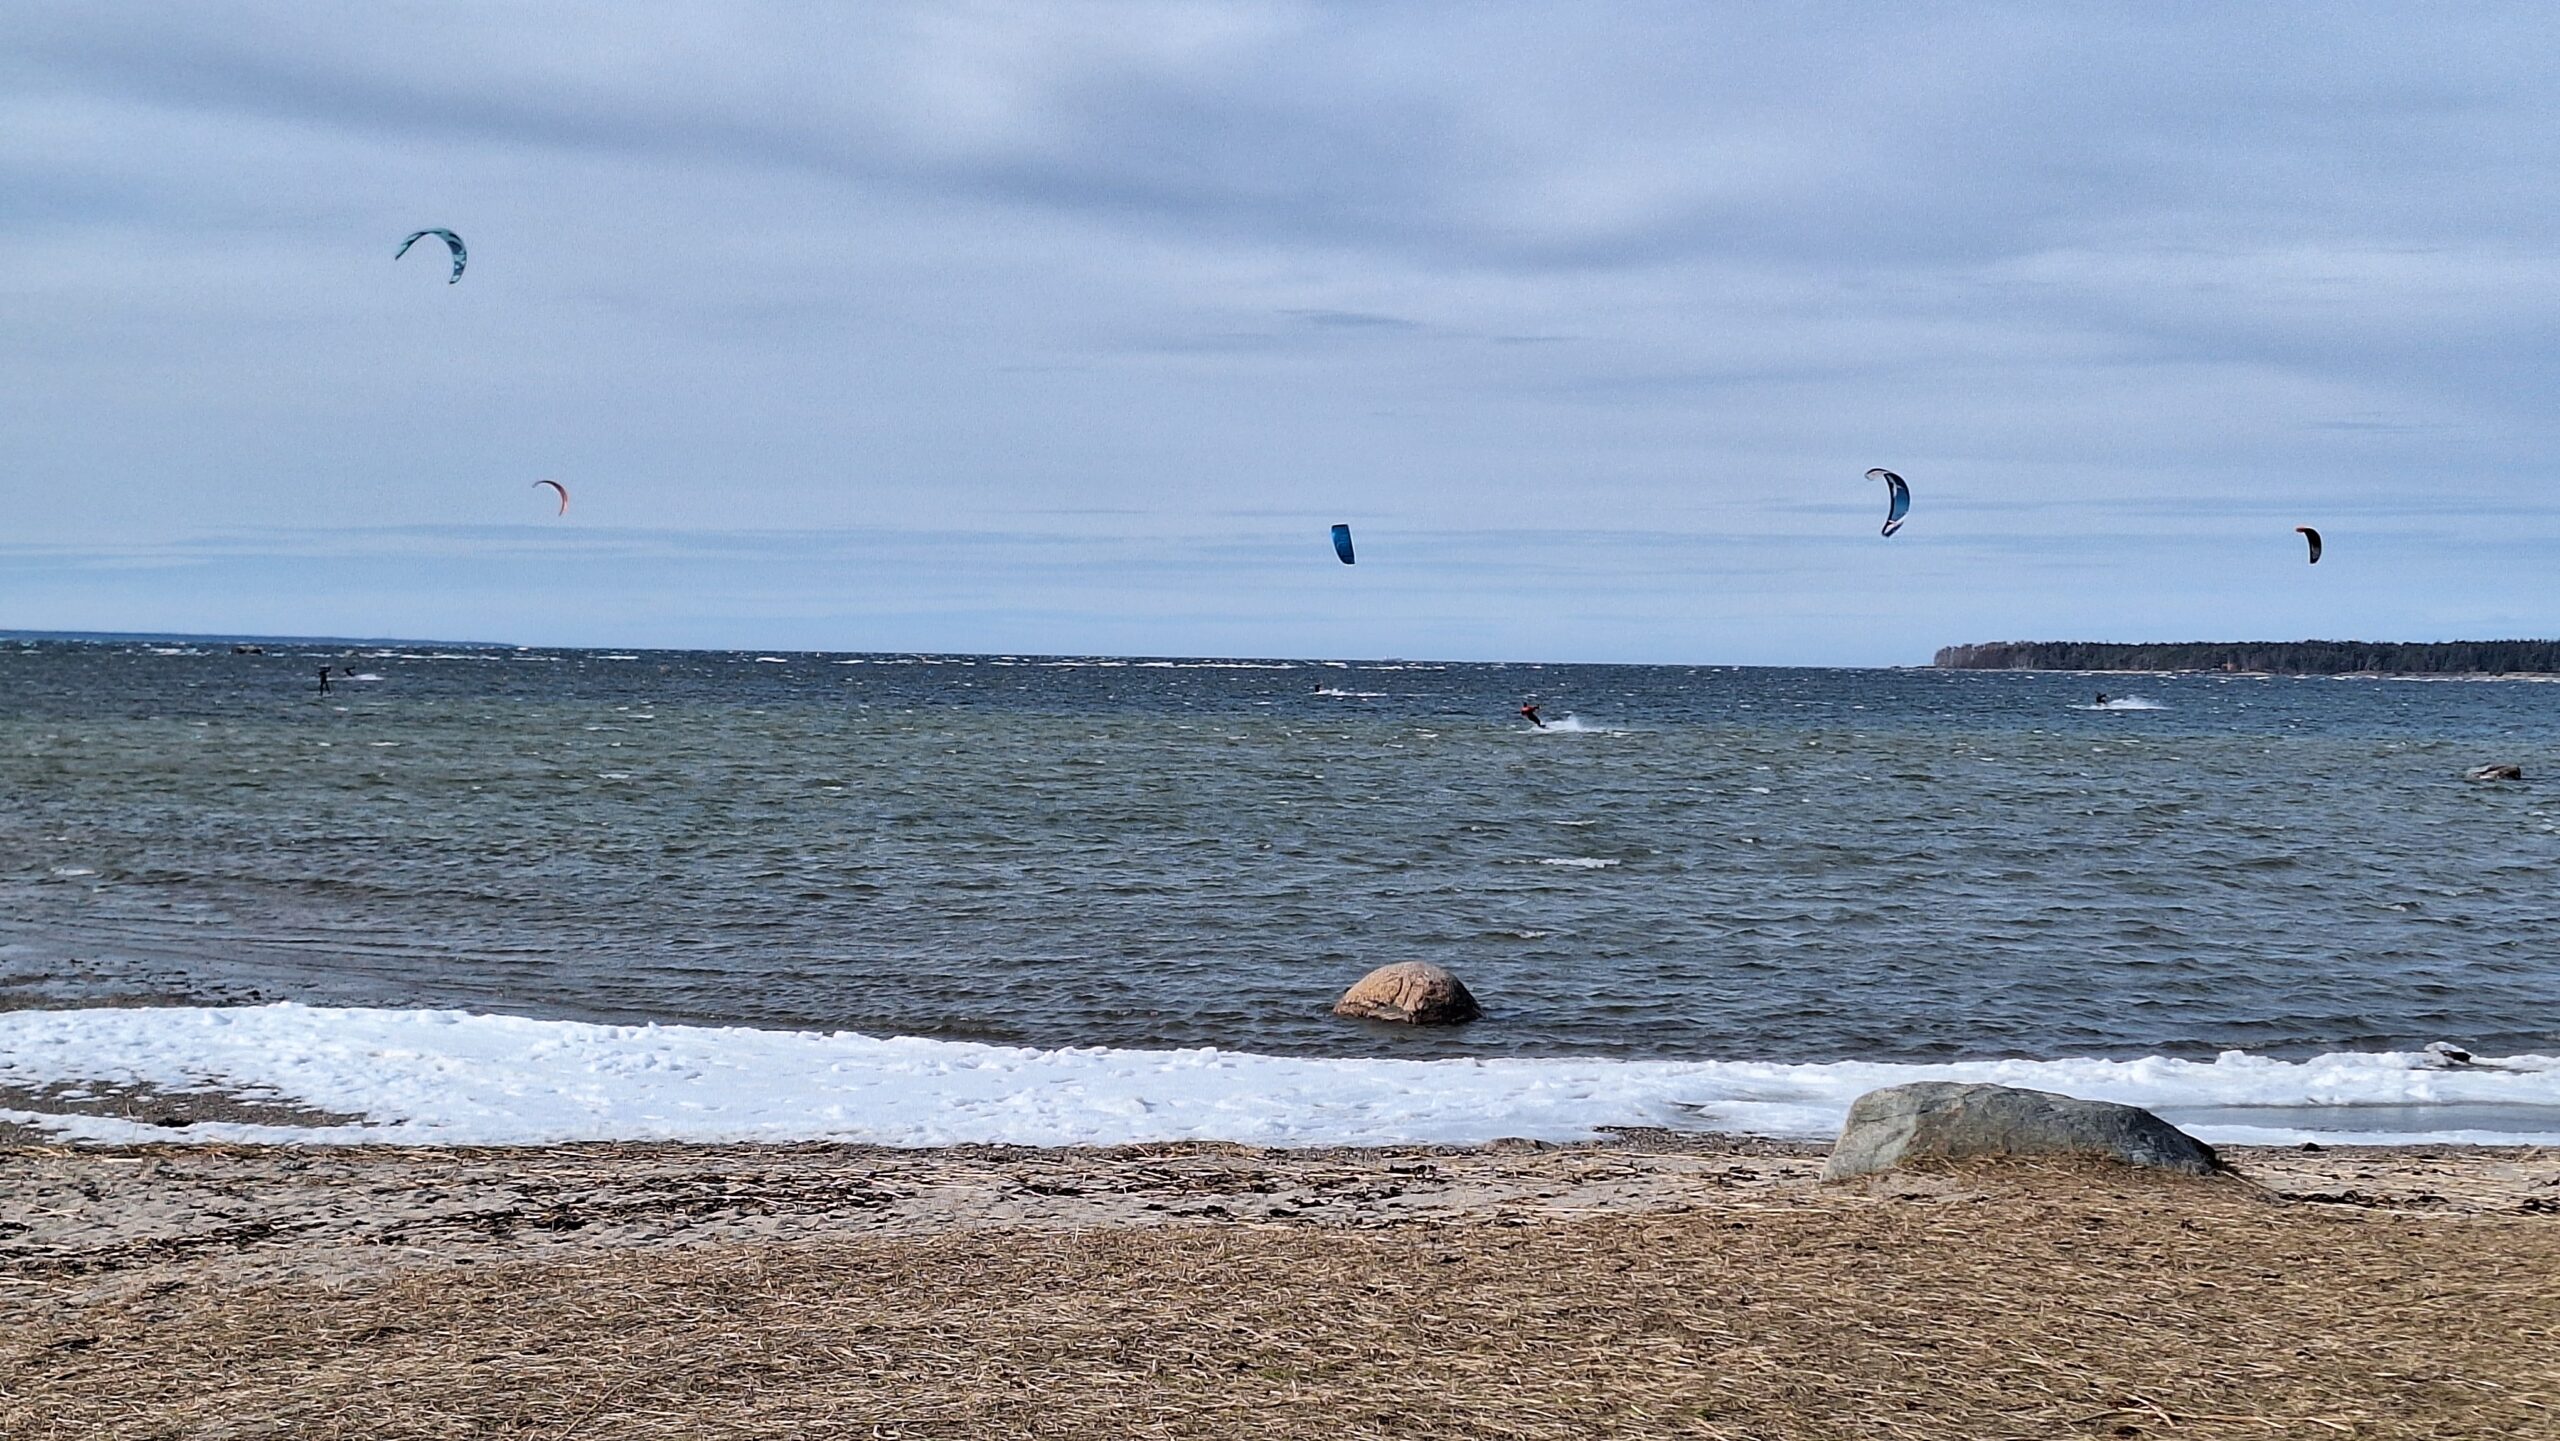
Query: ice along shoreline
[[296, 1074]]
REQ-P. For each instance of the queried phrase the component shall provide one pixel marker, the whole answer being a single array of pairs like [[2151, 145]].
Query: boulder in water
[[1953, 1121], [2499, 772], [1416, 993]]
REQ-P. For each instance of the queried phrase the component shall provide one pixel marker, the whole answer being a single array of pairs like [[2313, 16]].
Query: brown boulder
[[1417, 993]]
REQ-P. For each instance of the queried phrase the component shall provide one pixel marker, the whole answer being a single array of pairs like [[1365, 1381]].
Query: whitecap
[[1572, 725]]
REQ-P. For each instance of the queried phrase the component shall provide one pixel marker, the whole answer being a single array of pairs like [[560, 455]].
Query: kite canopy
[[1901, 504], [1342, 543], [452, 242], [2313, 536], [555, 485]]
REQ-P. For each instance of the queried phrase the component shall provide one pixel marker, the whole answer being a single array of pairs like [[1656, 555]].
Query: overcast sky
[[1072, 328]]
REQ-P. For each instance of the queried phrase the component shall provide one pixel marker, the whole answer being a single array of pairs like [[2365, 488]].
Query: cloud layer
[[945, 326]]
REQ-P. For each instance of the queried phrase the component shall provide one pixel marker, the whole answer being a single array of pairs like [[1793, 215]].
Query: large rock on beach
[[1952, 1121], [1416, 993]]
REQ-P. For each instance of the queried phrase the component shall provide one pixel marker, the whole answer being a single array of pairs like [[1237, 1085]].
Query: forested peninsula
[[2286, 657]]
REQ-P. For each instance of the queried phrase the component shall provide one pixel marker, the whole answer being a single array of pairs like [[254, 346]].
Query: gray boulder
[[2495, 773], [1416, 993], [1950, 1121]]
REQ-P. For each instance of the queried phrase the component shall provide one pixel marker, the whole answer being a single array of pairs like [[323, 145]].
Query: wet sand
[[1653, 1284]]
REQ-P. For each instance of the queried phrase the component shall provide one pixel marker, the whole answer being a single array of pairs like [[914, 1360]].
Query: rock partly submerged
[[1953, 1121], [2499, 772], [1415, 993]]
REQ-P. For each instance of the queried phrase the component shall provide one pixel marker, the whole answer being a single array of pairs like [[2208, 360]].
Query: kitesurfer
[[1530, 709], [2102, 697], [324, 680]]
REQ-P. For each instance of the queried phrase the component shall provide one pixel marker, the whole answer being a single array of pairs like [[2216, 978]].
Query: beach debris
[[1415, 993], [1952, 1120], [555, 485], [2497, 772], [1342, 543], [1900, 505], [2313, 536], [452, 242]]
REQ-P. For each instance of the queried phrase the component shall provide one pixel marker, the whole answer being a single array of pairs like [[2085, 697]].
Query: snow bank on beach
[[457, 1078]]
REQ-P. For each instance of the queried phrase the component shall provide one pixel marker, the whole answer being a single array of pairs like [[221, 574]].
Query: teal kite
[[451, 240]]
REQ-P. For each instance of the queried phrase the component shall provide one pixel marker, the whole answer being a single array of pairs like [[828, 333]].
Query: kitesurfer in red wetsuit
[[1530, 709]]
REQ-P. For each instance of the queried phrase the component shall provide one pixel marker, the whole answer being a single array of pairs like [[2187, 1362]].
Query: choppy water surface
[[1803, 865]]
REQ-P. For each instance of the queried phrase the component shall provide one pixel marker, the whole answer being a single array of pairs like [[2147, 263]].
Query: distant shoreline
[[2542, 676], [2426, 660], [137, 637]]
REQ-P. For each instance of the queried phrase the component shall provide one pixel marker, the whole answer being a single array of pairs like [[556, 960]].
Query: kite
[[2313, 536], [1342, 543], [451, 240], [1901, 505], [555, 485]]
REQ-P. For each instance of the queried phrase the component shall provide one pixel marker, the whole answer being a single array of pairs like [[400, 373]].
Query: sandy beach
[[1652, 1284]]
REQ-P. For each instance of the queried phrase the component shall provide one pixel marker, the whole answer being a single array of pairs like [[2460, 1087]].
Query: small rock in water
[[1952, 1121], [1416, 993], [2448, 1054], [2495, 773]]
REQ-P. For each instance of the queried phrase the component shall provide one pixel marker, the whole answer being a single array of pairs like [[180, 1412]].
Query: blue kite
[[1901, 505]]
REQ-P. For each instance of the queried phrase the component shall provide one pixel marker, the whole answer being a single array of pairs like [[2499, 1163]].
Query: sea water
[[1805, 874]]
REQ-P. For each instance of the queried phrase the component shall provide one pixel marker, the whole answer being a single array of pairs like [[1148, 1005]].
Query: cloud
[[1351, 320]]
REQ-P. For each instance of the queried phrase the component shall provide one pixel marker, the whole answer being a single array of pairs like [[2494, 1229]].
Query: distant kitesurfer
[[1530, 709], [324, 680], [2102, 697]]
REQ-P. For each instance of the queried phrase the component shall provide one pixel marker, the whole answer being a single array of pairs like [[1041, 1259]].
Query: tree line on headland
[[2297, 657]]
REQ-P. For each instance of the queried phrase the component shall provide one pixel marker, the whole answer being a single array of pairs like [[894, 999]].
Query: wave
[[1108, 663], [459, 1078], [2129, 702]]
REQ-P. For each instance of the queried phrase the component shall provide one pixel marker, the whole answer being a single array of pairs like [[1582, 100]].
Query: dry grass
[[2053, 1304]]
